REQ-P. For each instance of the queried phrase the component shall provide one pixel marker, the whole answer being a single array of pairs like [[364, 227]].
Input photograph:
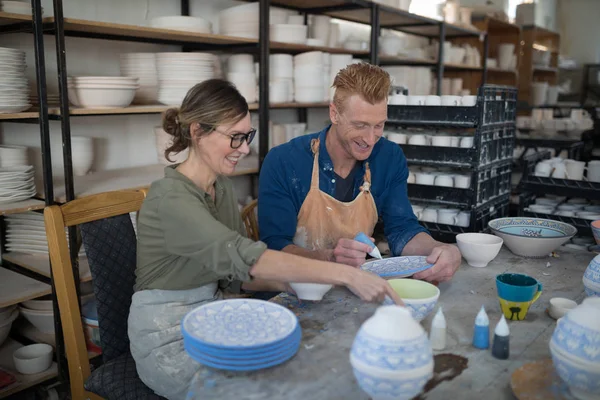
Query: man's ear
[[333, 114]]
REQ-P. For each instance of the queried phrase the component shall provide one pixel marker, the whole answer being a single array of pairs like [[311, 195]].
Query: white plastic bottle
[[437, 335]]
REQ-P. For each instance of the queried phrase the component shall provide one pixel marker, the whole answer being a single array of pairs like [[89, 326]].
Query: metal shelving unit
[[492, 123]]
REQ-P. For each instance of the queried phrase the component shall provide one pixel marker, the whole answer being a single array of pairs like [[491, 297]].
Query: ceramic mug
[[418, 211], [452, 101], [575, 169], [416, 100], [463, 219], [541, 209], [411, 177], [560, 171], [441, 141], [462, 181], [593, 172], [589, 215], [517, 292], [466, 142], [570, 207], [468, 101], [448, 216], [399, 138], [398, 99], [455, 141], [424, 178], [433, 101], [418, 140], [543, 169], [444, 181], [564, 213], [429, 215]]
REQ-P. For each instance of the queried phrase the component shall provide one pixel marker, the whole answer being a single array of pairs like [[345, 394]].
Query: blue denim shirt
[[285, 181]]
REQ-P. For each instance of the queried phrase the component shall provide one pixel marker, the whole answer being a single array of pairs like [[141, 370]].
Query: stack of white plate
[[7, 316], [281, 78], [13, 156], [16, 7], [53, 99], [338, 62], [82, 150], [14, 86], [16, 184], [182, 23], [243, 20], [143, 67], [320, 28], [179, 72], [26, 233], [240, 72], [307, 67], [102, 91], [288, 33]]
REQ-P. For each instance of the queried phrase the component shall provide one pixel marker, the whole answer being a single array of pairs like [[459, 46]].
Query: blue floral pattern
[[576, 377], [420, 311], [591, 292], [239, 323], [577, 340], [397, 266], [395, 356], [390, 389], [549, 228]]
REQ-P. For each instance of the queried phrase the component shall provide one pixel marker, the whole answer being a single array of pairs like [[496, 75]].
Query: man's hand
[[445, 259], [350, 252]]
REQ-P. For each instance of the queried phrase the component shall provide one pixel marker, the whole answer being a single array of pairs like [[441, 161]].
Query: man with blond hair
[[317, 191]]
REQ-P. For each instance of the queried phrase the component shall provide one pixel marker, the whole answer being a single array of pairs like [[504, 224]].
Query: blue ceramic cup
[[517, 292]]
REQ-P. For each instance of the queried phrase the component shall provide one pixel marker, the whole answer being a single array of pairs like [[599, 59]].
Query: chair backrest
[[109, 210], [250, 221]]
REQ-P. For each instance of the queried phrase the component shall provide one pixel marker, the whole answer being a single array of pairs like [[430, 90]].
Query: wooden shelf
[[300, 48], [395, 60], [23, 381], [132, 178], [457, 67], [25, 329], [502, 71], [540, 69], [11, 18], [16, 288], [21, 115], [22, 206], [40, 264]]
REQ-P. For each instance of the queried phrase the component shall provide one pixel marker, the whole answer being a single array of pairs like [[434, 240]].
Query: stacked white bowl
[[182, 23], [13, 156], [164, 140], [102, 91], [82, 154], [281, 78], [143, 67], [308, 67], [288, 33], [243, 20], [338, 62], [7, 316], [179, 72], [16, 183], [320, 28], [240, 72], [14, 86]]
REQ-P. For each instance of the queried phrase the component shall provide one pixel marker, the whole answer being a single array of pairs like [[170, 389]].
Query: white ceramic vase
[[82, 153], [391, 355], [575, 349], [591, 277]]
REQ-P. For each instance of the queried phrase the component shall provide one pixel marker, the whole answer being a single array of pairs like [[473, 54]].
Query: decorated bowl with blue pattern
[[391, 356], [591, 277], [532, 237], [596, 230], [575, 349], [419, 297]]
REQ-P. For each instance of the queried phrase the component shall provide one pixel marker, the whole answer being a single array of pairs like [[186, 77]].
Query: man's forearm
[[420, 245], [323, 255]]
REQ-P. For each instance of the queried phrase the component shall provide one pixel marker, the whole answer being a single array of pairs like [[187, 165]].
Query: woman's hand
[[370, 287]]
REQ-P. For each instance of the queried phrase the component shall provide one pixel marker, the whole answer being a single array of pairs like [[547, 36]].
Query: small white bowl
[[33, 359], [478, 248], [42, 305], [310, 291], [560, 306], [41, 319]]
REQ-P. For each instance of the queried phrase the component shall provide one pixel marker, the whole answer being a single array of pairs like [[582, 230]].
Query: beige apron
[[323, 220]]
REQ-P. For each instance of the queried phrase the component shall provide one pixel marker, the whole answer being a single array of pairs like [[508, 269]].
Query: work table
[[321, 369]]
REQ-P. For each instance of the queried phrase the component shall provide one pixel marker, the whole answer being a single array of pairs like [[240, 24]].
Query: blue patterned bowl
[[532, 237], [591, 277], [575, 349], [420, 297]]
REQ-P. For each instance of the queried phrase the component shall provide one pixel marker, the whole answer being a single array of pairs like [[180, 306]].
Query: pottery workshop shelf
[[301, 48], [452, 67], [417, 62], [23, 381], [496, 70], [15, 288], [561, 187], [19, 116], [21, 206], [11, 18], [40, 264]]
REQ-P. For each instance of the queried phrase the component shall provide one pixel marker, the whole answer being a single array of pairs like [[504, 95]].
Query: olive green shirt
[[187, 240]]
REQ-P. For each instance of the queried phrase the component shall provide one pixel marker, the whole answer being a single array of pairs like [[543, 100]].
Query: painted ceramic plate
[[397, 267], [239, 323]]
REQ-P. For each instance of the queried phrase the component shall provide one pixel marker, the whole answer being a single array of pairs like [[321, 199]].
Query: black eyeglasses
[[237, 139]]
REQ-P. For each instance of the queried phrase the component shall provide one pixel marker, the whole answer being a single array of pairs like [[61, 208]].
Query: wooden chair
[[108, 213], [250, 221]]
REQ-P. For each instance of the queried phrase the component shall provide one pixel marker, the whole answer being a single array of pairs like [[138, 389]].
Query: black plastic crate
[[487, 184], [491, 144], [499, 104], [498, 208]]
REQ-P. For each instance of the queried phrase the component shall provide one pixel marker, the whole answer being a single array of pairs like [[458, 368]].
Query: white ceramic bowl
[[478, 248], [532, 237], [560, 306], [42, 320], [419, 296], [102, 97], [43, 305], [33, 359], [184, 23], [288, 33], [6, 312], [310, 291], [6, 324]]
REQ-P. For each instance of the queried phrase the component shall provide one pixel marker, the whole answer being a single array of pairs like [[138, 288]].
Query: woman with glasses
[[192, 244]]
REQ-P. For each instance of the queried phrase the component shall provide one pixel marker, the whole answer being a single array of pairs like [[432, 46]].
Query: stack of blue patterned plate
[[241, 334]]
